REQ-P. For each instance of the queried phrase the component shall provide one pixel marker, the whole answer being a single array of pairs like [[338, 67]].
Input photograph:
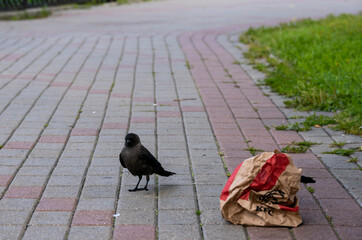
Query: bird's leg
[[148, 179], [136, 188]]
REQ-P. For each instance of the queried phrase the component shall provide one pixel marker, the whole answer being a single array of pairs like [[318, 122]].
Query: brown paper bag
[[262, 192]]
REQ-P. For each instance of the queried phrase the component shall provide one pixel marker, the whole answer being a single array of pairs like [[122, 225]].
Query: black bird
[[140, 161]]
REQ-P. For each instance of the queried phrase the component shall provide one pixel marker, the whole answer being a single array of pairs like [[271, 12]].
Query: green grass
[[253, 150], [44, 13], [342, 152], [317, 63], [310, 189], [298, 147]]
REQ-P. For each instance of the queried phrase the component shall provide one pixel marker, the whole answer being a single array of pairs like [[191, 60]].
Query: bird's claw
[[135, 189]]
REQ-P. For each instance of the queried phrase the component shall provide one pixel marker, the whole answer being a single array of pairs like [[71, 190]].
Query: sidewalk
[[73, 85]]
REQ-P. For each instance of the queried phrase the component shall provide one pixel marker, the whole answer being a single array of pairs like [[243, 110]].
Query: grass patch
[[298, 147], [342, 152], [338, 144], [310, 189], [253, 150], [311, 121], [317, 64], [352, 160], [198, 212], [44, 13]]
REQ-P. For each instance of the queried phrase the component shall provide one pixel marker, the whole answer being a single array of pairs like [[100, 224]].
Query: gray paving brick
[[136, 217], [182, 232], [50, 218], [176, 217], [45, 232], [219, 232], [176, 203], [61, 192], [96, 204], [90, 232], [16, 204], [65, 181], [21, 180], [137, 202], [99, 192], [68, 171], [14, 217], [9, 232], [93, 180]]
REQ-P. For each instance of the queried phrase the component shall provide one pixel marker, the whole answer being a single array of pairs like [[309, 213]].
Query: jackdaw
[[140, 161]]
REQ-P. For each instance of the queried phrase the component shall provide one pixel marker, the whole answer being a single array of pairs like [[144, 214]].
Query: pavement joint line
[[27, 66], [156, 134], [19, 48], [97, 136], [120, 167], [37, 99], [30, 150], [14, 50], [201, 232], [128, 123], [229, 108], [55, 164]]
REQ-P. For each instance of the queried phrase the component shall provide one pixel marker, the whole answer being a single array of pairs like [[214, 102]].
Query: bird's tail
[[162, 172], [305, 179]]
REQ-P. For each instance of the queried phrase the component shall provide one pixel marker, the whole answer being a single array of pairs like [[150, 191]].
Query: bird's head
[[131, 140]]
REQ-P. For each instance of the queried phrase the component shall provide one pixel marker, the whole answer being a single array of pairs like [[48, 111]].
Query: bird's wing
[[122, 161], [149, 158]]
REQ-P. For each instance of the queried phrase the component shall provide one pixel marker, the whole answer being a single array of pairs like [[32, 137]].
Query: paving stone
[[17, 204], [309, 231], [96, 204], [14, 217], [65, 181], [90, 232], [268, 233], [61, 192], [136, 217], [50, 218], [92, 218], [8, 232], [134, 232], [176, 203], [45, 232], [347, 232], [99, 192], [23, 192], [56, 204], [185, 232], [176, 217]]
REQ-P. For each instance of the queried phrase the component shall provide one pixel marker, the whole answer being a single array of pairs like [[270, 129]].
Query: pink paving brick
[[23, 192], [142, 120], [285, 137], [99, 91], [346, 218], [60, 84], [313, 217], [133, 232], [5, 180], [339, 204], [314, 232], [93, 218], [348, 232], [271, 112], [18, 145], [268, 233], [114, 125], [84, 132], [56, 204], [53, 139], [168, 114]]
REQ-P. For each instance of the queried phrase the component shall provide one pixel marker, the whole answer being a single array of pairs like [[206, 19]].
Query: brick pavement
[[71, 87]]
